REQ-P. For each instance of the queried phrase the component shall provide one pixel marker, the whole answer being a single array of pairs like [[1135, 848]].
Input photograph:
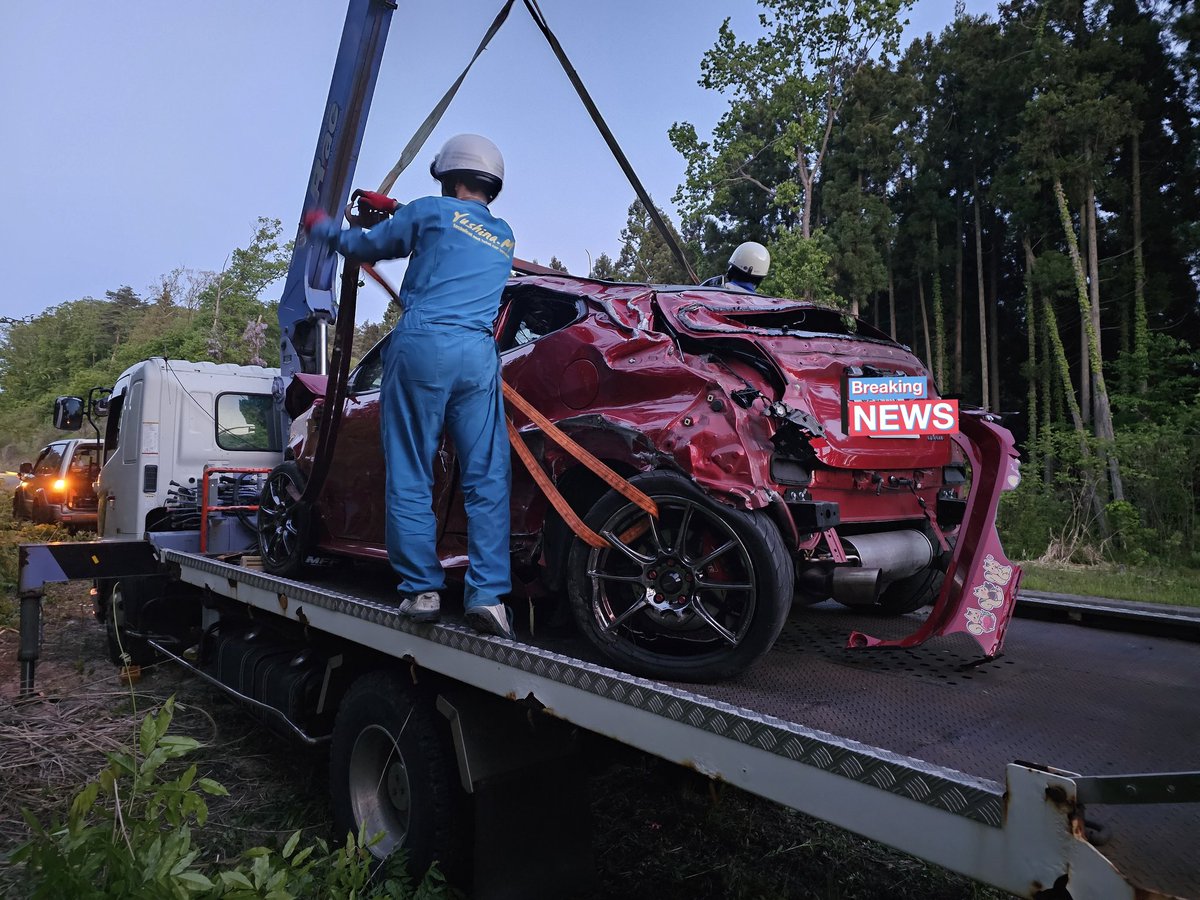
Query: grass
[[14, 533], [1146, 584]]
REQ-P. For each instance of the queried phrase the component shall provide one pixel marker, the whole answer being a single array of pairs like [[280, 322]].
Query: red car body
[[726, 407]]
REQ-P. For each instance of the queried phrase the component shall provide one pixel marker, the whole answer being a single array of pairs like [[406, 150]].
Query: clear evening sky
[[144, 135]]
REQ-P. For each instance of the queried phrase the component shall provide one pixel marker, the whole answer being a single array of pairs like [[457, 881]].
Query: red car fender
[[980, 590]]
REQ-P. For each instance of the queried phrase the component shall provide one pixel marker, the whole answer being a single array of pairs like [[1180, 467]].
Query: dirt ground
[[658, 831]]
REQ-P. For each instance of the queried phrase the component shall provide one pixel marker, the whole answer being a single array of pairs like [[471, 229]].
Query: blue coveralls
[[726, 281], [441, 370]]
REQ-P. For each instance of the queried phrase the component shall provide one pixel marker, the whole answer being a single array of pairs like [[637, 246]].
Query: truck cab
[[167, 420]]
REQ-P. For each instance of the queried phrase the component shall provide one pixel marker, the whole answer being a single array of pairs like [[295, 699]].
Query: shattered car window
[[536, 315]]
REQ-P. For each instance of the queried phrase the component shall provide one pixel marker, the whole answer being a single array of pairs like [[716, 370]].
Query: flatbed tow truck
[[1063, 769], [924, 749]]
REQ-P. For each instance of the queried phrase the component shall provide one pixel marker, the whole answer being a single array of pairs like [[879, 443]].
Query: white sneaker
[[424, 607], [495, 619]]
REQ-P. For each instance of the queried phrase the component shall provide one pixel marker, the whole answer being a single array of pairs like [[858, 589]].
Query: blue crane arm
[[308, 300]]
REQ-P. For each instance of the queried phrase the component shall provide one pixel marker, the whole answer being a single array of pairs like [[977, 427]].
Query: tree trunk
[[958, 299], [1031, 337], [994, 309], [939, 314], [1085, 368], [1068, 392], [985, 387], [892, 301], [924, 323], [1141, 328], [1104, 429], [1051, 397], [1103, 412]]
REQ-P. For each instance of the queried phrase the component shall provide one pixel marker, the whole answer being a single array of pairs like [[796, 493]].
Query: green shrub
[[130, 834], [1029, 518]]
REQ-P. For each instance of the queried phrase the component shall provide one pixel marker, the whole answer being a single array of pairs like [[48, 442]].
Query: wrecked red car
[[728, 410]]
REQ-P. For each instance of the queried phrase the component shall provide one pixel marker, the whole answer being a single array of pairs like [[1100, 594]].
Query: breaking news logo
[[895, 406]]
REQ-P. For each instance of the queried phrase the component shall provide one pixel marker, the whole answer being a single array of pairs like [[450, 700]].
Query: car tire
[[393, 770], [284, 523], [125, 606], [732, 572], [18, 508]]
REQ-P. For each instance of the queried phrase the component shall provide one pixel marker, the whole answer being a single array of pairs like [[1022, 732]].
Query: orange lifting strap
[[557, 500]]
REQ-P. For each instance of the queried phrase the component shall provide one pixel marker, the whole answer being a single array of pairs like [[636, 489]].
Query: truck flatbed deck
[[909, 747]]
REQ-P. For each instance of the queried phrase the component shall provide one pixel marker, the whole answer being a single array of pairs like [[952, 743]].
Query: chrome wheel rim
[[380, 790], [683, 585]]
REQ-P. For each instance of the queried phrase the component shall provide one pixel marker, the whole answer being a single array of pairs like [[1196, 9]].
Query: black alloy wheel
[[697, 595], [284, 523]]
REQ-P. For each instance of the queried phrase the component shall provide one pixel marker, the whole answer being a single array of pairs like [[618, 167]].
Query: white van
[[168, 420]]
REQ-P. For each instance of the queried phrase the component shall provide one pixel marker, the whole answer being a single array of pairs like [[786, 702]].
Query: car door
[[353, 503], [534, 337]]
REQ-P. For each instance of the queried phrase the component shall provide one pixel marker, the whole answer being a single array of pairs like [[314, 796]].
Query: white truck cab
[[167, 421]]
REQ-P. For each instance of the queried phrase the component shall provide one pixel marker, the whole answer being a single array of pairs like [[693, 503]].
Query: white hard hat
[[470, 154], [750, 259]]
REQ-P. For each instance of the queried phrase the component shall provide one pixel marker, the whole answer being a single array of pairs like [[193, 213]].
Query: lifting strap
[[598, 468], [606, 133], [413, 147]]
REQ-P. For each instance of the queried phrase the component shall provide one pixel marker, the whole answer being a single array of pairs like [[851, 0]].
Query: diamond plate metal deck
[[930, 724]]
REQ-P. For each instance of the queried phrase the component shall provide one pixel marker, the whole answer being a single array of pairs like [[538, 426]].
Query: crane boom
[[308, 303]]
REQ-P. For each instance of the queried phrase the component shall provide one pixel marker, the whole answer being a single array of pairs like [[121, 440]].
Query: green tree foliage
[[879, 179], [135, 833], [645, 255], [761, 172], [80, 344]]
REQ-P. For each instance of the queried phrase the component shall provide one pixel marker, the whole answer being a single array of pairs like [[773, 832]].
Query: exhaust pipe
[[883, 557]]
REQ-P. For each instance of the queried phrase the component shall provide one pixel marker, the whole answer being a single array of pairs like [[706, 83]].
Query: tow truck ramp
[[902, 747]]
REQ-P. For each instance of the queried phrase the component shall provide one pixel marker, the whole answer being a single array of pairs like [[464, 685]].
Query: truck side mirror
[[99, 397], [68, 413], [25, 469]]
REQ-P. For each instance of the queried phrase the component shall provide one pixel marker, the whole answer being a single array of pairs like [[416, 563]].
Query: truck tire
[[698, 597], [125, 605], [393, 771], [284, 523]]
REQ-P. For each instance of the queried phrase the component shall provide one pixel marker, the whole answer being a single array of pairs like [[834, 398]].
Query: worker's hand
[[376, 200], [312, 217]]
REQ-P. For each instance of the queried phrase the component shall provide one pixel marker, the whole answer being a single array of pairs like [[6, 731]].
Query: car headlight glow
[[59, 485]]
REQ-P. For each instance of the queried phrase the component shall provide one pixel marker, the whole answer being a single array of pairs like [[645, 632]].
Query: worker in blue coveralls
[[748, 266], [441, 370]]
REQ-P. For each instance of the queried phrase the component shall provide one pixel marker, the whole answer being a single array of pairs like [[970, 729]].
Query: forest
[[1016, 198]]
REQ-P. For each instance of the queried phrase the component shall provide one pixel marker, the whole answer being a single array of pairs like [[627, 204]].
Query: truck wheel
[[393, 772], [697, 596], [125, 605], [284, 523]]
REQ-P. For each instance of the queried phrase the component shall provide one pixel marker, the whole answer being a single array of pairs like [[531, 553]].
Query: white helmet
[[474, 155], [749, 262]]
